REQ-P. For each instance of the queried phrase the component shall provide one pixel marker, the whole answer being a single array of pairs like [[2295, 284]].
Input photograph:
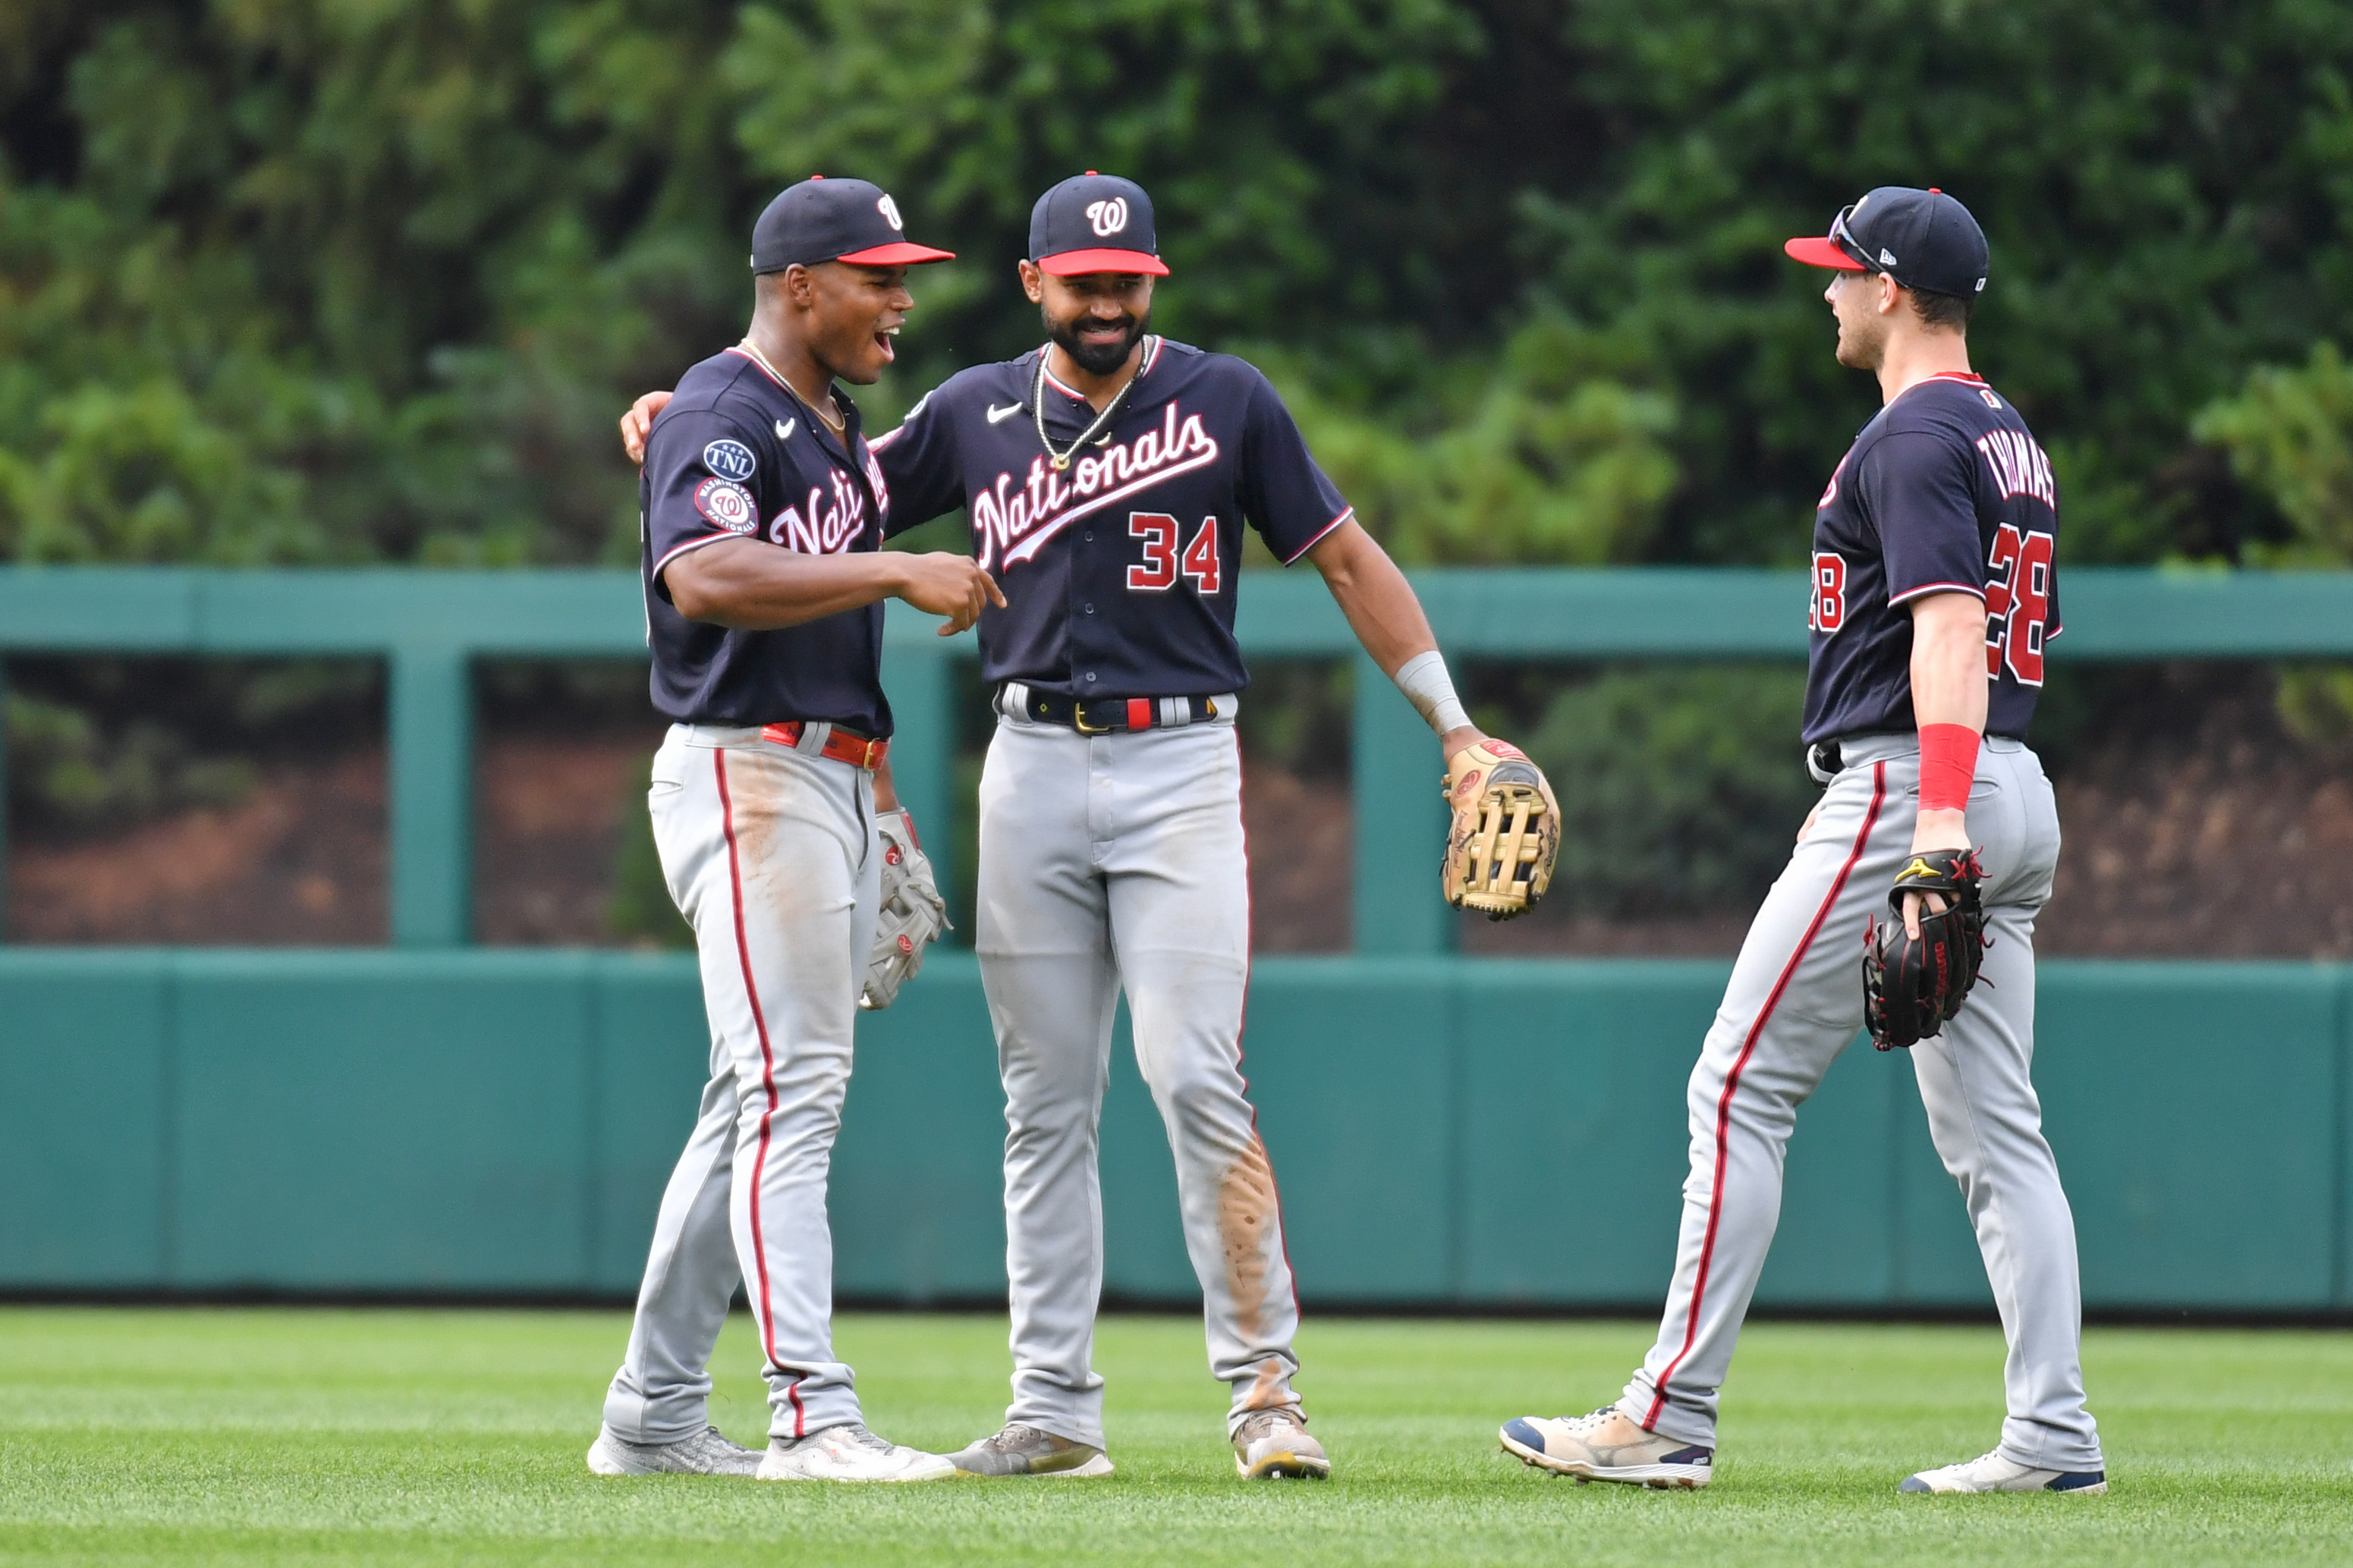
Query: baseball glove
[[1910, 989], [912, 913], [1506, 832]]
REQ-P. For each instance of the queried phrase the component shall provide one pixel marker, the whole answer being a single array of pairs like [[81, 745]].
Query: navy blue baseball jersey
[[1944, 491], [1118, 572], [736, 455]]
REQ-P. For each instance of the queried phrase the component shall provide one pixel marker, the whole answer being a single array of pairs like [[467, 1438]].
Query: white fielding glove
[[912, 916]]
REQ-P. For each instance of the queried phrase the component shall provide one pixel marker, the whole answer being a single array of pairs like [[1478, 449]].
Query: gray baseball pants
[[1109, 862], [1795, 1003], [770, 851]]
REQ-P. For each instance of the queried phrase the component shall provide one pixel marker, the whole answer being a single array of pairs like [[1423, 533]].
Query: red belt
[[840, 745]]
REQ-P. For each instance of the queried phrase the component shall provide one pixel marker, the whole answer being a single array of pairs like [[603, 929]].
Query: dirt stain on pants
[[1246, 1219]]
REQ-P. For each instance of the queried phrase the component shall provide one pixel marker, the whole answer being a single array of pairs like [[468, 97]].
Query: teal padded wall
[[1445, 1131]]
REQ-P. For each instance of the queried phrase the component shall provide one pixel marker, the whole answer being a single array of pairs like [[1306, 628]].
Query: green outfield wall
[[435, 1117], [1464, 1131]]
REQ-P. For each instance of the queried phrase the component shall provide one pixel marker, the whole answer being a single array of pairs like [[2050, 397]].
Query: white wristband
[[1426, 686]]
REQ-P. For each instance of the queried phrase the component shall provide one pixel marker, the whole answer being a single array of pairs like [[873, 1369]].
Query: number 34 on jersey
[[2017, 598], [1158, 571]]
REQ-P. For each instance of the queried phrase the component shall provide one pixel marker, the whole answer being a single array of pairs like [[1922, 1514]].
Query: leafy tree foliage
[[1679, 787], [2289, 431], [319, 279]]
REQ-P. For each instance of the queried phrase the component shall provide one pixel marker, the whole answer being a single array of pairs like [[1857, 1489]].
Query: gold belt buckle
[[1079, 719]]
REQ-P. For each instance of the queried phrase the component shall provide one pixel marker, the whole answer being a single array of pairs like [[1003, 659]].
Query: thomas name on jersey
[[1945, 490]]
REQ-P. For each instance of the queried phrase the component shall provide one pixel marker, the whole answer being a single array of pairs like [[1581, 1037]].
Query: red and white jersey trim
[[753, 360], [1321, 535], [693, 544], [1975, 590]]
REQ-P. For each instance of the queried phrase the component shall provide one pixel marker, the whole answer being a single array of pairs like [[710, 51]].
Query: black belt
[[1824, 760], [1105, 714]]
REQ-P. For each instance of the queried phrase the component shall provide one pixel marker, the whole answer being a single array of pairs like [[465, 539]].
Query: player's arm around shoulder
[[1506, 823]]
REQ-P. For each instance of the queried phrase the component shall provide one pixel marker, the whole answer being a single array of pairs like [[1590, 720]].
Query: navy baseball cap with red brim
[[835, 220], [1923, 240], [1094, 222]]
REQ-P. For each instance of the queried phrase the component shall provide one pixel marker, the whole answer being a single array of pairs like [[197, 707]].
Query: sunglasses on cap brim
[[1838, 251]]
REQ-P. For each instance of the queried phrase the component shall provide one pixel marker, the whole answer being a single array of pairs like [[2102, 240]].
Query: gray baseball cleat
[[1992, 1473], [1607, 1447], [1023, 1450], [706, 1453], [1272, 1444]]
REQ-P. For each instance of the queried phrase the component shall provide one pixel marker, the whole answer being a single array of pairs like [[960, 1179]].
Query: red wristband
[[1948, 760]]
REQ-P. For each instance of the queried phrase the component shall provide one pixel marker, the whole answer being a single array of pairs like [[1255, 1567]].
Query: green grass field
[[301, 1437]]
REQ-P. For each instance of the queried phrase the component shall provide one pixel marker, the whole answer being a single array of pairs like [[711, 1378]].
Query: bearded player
[[1108, 477], [762, 521], [1934, 595]]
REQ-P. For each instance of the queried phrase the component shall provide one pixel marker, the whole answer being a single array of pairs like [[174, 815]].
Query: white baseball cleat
[[1023, 1450], [705, 1453], [1992, 1473], [848, 1453], [1273, 1443], [1607, 1447]]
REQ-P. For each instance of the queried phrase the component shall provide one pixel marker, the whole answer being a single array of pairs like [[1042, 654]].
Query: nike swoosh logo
[[999, 416], [785, 429]]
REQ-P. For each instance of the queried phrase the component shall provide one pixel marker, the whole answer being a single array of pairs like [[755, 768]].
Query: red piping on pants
[[767, 1085], [1732, 1082]]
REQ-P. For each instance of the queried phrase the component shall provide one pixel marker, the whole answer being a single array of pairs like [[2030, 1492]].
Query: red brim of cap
[[1075, 263], [898, 255], [1822, 253]]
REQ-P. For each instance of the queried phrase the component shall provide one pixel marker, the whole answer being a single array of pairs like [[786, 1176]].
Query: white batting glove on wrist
[[913, 913]]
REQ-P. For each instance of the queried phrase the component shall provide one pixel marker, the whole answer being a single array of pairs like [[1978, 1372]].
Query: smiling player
[[763, 514], [1109, 475]]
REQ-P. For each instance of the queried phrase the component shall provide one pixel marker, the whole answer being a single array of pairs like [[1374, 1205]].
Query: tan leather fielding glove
[[1506, 832]]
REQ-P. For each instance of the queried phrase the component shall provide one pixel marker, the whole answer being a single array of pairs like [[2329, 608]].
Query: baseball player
[[1934, 597], [1108, 477], [763, 520]]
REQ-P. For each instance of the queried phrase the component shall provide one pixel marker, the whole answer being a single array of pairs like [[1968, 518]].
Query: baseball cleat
[[848, 1453], [1273, 1443], [1607, 1447], [1992, 1473], [706, 1453], [1023, 1450]]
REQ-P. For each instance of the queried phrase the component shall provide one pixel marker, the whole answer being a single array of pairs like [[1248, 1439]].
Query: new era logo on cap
[[835, 220], [1094, 222]]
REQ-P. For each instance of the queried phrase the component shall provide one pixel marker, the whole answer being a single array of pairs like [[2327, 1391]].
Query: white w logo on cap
[[1107, 218]]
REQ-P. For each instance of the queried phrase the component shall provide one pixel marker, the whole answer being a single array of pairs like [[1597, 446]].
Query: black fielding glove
[[1911, 989]]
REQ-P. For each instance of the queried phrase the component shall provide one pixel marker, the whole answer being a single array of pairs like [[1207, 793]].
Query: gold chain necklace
[[1061, 461], [839, 426]]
